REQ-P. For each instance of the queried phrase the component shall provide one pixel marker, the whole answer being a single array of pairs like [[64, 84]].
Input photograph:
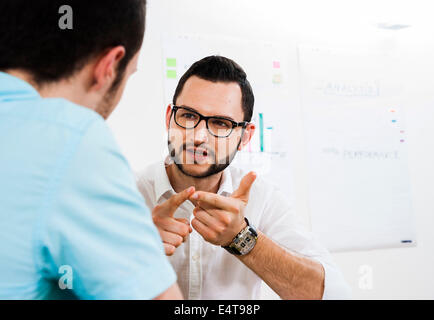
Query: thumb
[[244, 188]]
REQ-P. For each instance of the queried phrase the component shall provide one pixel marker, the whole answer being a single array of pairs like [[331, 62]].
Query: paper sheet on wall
[[265, 64], [359, 188]]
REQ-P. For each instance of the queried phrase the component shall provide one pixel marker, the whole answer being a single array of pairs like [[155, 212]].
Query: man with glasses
[[245, 231]]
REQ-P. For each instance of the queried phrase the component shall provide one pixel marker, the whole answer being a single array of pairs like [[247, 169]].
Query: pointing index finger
[[169, 207], [214, 200]]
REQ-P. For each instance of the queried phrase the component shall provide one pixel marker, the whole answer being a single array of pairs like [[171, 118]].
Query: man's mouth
[[199, 155]]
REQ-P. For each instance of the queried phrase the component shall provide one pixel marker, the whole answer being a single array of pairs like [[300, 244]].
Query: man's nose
[[201, 133]]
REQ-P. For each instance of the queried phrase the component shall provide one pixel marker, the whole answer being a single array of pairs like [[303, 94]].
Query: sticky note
[[171, 74], [171, 62], [276, 64], [277, 78]]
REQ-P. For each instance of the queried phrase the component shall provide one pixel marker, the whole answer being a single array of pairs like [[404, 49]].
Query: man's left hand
[[219, 219]]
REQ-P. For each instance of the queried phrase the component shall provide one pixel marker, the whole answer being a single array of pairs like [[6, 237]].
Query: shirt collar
[[13, 88], [226, 186], [162, 182], [163, 186]]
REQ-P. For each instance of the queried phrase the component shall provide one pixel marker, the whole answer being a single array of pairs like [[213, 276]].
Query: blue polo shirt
[[72, 222]]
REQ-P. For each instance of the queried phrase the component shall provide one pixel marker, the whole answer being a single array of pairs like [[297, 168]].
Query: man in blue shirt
[[72, 222]]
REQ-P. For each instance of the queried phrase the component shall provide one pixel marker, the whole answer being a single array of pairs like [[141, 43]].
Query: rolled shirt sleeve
[[97, 223], [282, 225]]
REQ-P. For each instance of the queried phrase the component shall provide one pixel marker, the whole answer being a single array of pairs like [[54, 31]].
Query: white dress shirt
[[207, 271]]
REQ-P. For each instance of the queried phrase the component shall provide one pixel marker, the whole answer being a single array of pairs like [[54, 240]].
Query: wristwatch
[[244, 241]]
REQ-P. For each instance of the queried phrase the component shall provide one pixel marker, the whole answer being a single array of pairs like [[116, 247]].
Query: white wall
[[138, 122]]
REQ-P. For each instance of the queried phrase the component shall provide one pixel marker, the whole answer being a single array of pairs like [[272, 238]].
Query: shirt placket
[[195, 283]]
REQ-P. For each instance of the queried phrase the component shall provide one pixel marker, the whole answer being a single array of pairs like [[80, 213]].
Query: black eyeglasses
[[220, 127]]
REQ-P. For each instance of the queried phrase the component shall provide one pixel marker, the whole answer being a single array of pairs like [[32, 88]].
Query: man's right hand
[[173, 231]]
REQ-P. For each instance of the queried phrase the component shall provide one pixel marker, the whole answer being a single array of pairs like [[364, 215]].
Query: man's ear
[[104, 72], [247, 135], [168, 116]]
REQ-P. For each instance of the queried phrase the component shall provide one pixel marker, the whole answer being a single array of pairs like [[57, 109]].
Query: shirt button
[[196, 257]]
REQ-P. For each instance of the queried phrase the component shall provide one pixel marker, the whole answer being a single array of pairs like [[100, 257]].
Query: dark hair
[[32, 40], [221, 69]]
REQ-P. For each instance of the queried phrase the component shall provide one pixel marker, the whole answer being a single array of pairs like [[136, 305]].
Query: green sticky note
[[171, 74], [171, 62]]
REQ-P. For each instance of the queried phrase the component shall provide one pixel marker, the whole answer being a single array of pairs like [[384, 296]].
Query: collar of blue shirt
[[13, 88]]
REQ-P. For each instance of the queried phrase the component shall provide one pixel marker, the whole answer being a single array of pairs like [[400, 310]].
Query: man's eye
[[220, 123], [190, 116]]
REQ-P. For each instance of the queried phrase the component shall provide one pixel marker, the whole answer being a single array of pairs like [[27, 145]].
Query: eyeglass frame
[[242, 124]]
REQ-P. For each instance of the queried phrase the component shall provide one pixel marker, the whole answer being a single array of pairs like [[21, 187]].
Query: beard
[[214, 168], [106, 107], [107, 103]]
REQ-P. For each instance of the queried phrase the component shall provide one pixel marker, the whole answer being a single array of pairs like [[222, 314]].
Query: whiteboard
[[359, 191], [359, 186], [266, 65]]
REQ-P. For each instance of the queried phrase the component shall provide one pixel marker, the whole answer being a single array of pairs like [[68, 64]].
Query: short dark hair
[[221, 69], [31, 39]]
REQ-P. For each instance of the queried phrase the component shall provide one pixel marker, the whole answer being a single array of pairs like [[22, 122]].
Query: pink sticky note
[[276, 64]]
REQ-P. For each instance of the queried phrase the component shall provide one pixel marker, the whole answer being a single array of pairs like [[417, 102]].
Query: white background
[[138, 122]]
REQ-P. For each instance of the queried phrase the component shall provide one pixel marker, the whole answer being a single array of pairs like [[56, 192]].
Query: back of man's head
[[33, 40]]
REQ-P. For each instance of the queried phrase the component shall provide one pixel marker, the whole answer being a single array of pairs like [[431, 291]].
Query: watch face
[[245, 242]]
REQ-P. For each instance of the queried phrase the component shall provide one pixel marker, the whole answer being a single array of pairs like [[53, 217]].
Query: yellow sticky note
[[277, 78]]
